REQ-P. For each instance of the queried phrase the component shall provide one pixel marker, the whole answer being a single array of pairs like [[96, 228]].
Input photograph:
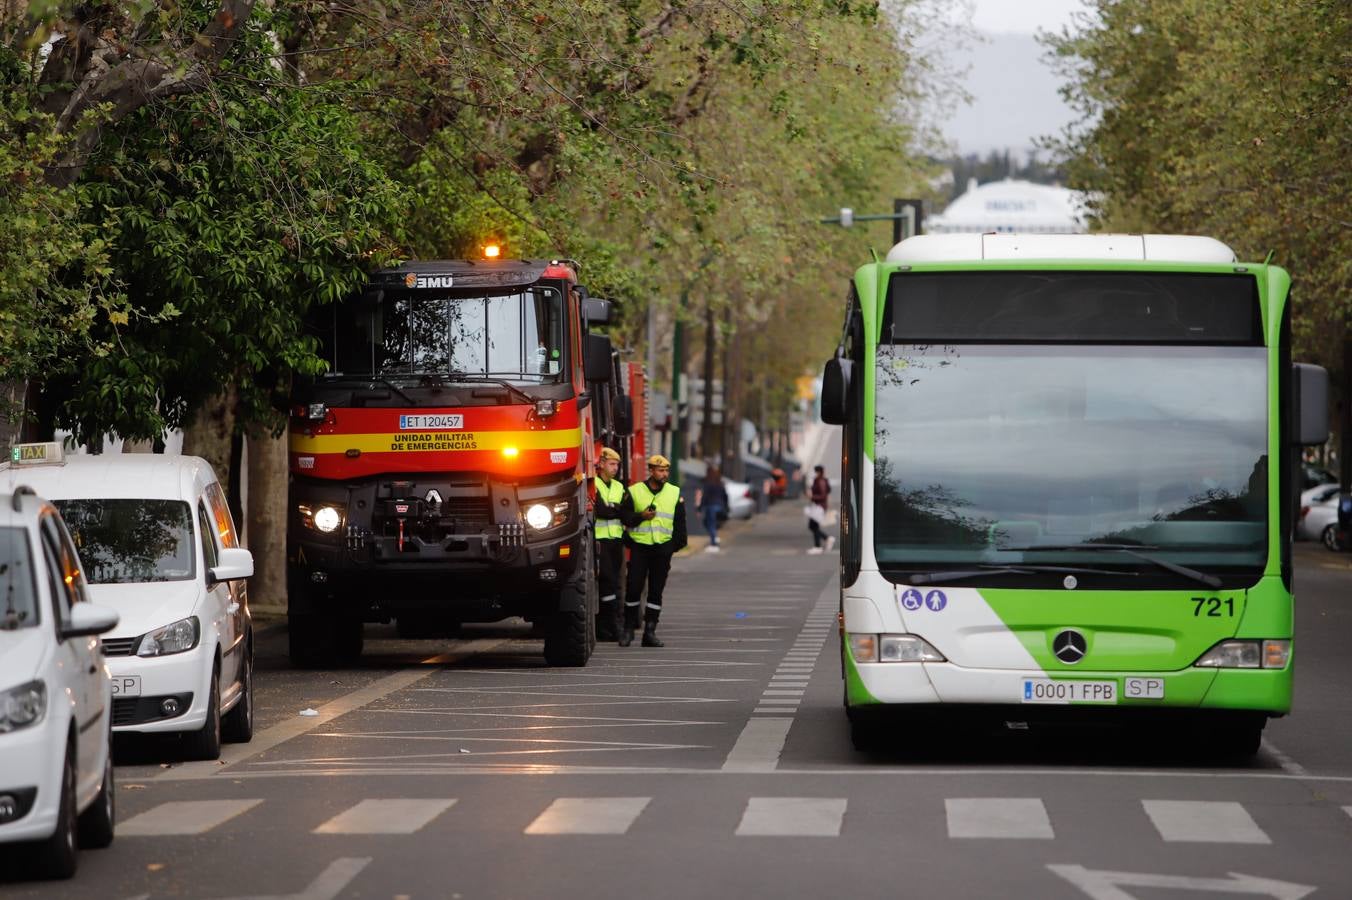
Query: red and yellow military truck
[[441, 469]]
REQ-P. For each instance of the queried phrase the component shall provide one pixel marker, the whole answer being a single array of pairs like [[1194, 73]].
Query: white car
[[56, 768], [1319, 516], [159, 547], [741, 505]]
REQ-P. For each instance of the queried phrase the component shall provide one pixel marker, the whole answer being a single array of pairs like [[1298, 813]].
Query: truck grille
[[469, 513], [119, 646]]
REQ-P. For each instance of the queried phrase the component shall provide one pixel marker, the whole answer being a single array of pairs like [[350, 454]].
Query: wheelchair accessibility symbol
[[912, 600]]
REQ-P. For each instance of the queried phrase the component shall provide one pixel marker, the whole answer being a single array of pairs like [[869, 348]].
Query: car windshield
[[132, 541], [18, 607], [982, 451], [516, 336]]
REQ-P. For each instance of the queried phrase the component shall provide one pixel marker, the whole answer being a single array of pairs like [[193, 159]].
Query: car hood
[[142, 607], [21, 652]]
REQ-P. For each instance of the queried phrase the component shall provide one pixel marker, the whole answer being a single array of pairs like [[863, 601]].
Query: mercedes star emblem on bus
[[1069, 647]]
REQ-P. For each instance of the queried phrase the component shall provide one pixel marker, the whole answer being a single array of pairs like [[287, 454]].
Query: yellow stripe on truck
[[561, 439]]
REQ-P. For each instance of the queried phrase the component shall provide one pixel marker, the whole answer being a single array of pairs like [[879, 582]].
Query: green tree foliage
[[1232, 120]]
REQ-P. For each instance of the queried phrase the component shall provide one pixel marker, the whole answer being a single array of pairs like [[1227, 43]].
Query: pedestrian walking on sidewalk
[[654, 519], [712, 502], [609, 543], [820, 495]]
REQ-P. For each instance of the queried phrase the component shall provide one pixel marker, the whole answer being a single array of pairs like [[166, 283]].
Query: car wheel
[[56, 856], [1330, 538], [237, 727], [96, 823], [205, 743]]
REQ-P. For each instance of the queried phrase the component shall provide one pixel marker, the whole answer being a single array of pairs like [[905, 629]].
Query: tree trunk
[[209, 434], [266, 517]]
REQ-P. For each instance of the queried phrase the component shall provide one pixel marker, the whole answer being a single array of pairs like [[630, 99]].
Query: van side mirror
[[836, 389], [235, 564], [596, 311], [597, 358], [87, 619], [1312, 404]]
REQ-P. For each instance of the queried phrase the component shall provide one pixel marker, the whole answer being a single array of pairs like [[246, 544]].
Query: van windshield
[[131, 541], [18, 605]]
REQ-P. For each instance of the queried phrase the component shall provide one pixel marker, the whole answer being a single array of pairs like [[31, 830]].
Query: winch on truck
[[440, 470]]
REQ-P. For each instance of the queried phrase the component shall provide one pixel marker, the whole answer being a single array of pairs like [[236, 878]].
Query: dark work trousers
[[650, 563], [609, 561]]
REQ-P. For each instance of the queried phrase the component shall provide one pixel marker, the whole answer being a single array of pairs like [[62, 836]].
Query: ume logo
[[434, 281]]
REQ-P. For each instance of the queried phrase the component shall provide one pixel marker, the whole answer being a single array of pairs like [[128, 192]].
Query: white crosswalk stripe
[[1204, 821], [184, 817], [385, 817], [998, 817], [589, 815], [792, 816]]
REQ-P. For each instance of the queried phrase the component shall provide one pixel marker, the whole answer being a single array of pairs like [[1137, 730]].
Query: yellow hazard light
[[510, 452], [492, 251]]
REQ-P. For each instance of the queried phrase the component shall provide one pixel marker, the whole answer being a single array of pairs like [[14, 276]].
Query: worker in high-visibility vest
[[609, 542], [654, 519]]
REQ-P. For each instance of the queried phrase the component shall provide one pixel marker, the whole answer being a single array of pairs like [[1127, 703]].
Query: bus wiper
[[1210, 581], [488, 379], [1020, 569]]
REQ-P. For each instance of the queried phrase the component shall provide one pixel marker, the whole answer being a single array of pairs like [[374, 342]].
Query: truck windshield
[[18, 606], [985, 451], [131, 541], [516, 336]]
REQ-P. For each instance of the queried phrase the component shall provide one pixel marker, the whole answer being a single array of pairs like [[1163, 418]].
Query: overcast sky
[[1014, 90]]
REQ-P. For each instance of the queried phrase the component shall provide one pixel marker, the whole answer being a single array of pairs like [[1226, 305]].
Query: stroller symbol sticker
[[912, 599]]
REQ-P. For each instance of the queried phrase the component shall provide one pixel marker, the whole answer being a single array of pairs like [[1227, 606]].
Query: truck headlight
[[23, 705], [326, 518], [1265, 654], [179, 637], [541, 516]]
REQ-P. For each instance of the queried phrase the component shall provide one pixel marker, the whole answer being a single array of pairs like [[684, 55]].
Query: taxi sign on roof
[[37, 454]]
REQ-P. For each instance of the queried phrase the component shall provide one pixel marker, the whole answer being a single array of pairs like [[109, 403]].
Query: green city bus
[[1068, 474]]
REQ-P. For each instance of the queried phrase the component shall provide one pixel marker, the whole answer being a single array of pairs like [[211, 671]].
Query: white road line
[[1202, 821], [997, 817], [385, 817], [1288, 764], [759, 745], [792, 817], [781, 693], [282, 732], [184, 817], [589, 815]]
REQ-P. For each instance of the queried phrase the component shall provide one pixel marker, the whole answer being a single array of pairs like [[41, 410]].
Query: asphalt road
[[717, 766]]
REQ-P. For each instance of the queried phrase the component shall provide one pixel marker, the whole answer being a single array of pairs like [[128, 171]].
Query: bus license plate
[[1045, 690], [126, 685]]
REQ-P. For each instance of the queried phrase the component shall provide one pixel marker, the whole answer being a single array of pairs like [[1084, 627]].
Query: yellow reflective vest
[[658, 529], [613, 494]]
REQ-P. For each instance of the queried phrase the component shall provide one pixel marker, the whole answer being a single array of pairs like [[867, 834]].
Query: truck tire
[[570, 628]]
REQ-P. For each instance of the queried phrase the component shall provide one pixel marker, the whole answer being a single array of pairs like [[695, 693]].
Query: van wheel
[[96, 823], [1330, 538], [205, 743], [56, 856], [237, 726]]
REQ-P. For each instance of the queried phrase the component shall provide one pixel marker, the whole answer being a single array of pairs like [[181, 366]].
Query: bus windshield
[[516, 336], [982, 451]]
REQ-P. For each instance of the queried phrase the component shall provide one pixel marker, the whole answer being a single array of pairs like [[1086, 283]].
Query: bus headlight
[[1266, 654], [907, 648]]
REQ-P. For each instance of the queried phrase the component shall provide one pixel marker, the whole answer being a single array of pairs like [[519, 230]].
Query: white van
[[56, 769], [159, 546]]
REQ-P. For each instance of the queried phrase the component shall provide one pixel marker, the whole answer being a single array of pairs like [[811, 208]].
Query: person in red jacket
[[820, 494]]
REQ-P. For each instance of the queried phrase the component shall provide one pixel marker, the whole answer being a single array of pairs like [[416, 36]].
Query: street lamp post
[[907, 217]]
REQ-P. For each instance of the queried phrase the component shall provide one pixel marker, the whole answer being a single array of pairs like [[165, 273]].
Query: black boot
[[650, 635], [605, 628], [626, 636]]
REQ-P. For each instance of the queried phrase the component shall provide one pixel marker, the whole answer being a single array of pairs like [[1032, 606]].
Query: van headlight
[[23, 705], [176, 638]]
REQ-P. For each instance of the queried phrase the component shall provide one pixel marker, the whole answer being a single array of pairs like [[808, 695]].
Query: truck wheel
[[349, 639], [568, 639]]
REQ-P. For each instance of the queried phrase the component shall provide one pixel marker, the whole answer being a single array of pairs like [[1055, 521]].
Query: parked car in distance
[[159, 547], [56, 768], [1319, 516], [741, 505]]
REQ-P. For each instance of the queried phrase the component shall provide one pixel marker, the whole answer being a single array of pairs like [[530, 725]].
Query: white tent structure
[[1012, 207]]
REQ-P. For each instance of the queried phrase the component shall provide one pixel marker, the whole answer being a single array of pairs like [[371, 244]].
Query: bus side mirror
[[1312, 404], [624, 415], [596, 358], [836, 391], [596, 311]]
